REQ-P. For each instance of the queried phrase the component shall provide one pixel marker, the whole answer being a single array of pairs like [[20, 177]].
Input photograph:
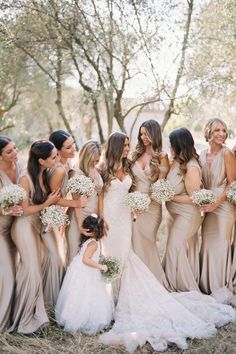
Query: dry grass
[[53, 340]]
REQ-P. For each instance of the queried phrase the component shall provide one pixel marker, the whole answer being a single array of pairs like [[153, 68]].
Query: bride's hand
[[104, 268]]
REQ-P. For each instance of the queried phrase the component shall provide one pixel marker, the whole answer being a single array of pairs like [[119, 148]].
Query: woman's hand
[[104, 268], [15, 210], [209, 207], [53, 197], [85, 232]]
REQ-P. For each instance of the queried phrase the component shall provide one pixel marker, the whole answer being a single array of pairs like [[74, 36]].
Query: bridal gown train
[[146, 311]]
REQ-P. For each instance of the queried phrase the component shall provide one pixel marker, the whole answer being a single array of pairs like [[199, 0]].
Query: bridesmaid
[[181, 260], [29, 313], [149, 163], [233, 268], [53, 265], [9, 172], [89, 155], [219, 170]]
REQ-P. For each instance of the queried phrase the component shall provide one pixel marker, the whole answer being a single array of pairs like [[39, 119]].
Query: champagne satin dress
[[72, 231], [145, 228], [7, 260], [215, 255], [53, 264], [181, 260], [28, 313]]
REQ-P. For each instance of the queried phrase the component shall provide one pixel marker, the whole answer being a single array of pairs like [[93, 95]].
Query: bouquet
[[231, 193], [80, 184], [11, 195], [54, 215], [162, 191], [203, 197], [113, 268], [137, 201]]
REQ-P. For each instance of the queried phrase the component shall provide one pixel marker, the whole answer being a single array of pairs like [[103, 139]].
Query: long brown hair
[[153, 131], [87, 154], [182, 143], [114, 160]]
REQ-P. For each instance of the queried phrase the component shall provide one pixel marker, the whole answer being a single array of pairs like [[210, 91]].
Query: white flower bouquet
[[231, 193], [203, 197], [113, 268], [54, 216], [162, 191], [80, 184], [137, 202], [11, 195]]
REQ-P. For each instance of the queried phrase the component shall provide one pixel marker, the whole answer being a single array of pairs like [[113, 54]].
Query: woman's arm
[[32, 209], [164, 162], [192, 181], [87, 258]]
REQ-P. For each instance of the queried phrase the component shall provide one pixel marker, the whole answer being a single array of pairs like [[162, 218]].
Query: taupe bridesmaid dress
[[29, 313], [72, 231], [144, 229], [233, 266], [215, 254], [7, 260], [181, 260], [53, 265]]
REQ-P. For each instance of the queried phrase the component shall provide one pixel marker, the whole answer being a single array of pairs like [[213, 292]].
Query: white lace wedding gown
[[85, 301], [146, 311]]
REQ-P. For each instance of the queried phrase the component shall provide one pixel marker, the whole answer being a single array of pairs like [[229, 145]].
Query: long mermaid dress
[[146, 311], [215, 254], [181, 260], [7, 260]]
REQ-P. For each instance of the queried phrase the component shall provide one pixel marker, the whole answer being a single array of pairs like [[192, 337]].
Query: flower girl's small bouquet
[[162, 191], [137, 202], [54, 216], [203, 197], [231, 193], [113, 268], [80, 184], [11, 195]]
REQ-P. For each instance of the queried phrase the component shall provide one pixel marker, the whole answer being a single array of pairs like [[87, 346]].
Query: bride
[[146, 311]]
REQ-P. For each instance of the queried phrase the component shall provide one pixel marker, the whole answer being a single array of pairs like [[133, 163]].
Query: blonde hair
[[210, 127], [87, 155]]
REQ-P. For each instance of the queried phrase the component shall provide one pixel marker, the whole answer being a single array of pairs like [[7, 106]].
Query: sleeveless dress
[[29, 314], [85, 301], [181, 260], [7, 260], [215, 254], [146, 311], [72, 231], [53, 264], [145, 228]]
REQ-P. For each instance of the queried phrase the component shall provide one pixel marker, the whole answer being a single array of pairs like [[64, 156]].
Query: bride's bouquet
[[11, 195], [80, 184], [231, 193], [203, 197], [54, 216], [113, 268], [162, 191], [137, 202]]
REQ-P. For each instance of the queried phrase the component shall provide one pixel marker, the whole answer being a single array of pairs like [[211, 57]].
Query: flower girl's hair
[[95, 224]]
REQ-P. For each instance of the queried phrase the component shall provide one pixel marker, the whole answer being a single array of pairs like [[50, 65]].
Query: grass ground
[[53, 340]]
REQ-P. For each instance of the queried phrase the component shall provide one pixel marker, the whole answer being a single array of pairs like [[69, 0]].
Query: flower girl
[[85, 301]]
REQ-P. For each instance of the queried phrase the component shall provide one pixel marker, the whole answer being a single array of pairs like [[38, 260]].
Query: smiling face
[[218, 134], [9, 153], [144, 137], [126, 148], [68, 149]]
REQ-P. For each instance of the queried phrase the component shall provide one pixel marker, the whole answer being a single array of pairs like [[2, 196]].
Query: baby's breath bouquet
[[162, 191], [11, 195], [54, 216], [231, 194], [113, 268], [203, 197], [137, 202], [80, 184]]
